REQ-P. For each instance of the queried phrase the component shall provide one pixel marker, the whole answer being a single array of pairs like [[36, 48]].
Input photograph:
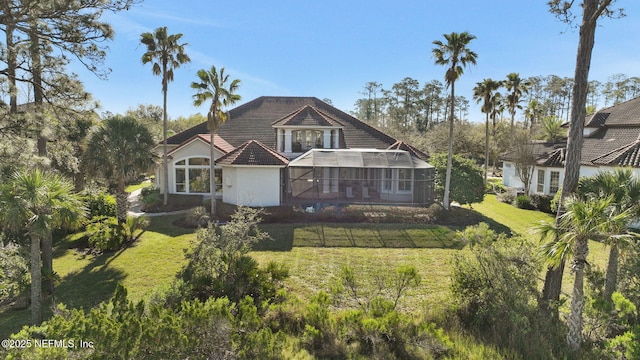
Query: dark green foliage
[[523, 202], [541, 202], [14, 272], [219, 265], [495, 288], [107, 234], [124, 330], [99, 203], [467, 184]]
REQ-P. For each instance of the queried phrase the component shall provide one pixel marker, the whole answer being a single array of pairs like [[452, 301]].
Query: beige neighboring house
[[611, 140], [298, 151]]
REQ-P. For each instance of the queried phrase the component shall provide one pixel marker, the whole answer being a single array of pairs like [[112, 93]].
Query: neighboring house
[[611, 139], [298, 151]]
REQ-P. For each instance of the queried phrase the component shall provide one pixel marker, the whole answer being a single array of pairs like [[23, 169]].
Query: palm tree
[[584, 220], [456, 56], [118, 151], [214, 86], [166, 54], [552, 129], [38, 202], [624, 189], [484, 92], [516, 88]]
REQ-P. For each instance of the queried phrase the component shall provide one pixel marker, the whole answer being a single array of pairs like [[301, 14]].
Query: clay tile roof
[[401, 145], [253, 153], [218, 142], [628, 155], [308, 116]]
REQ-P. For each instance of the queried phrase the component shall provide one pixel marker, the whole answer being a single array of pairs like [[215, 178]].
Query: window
[[404, 179], [540, 188], [388, 177], [554, 184], [304, 140], [192, 176]]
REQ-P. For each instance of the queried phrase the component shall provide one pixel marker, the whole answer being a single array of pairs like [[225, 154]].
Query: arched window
[[192, 175]]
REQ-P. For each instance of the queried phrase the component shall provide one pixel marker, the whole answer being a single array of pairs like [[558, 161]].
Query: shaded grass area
[[134, 187], [86, 279]]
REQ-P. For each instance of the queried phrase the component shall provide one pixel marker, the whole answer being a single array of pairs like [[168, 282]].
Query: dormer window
[[307, 139], [305, 129]]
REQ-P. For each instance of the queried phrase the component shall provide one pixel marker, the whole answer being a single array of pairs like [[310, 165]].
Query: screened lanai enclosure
[[345, 176]]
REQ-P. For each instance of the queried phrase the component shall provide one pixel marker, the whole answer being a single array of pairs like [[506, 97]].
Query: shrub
[[197, 217], [150, 197], [104, 234], [541, 202], [99, 203], [506, 197], [523, 202], [555, 201], [467, 180], [219, 265]]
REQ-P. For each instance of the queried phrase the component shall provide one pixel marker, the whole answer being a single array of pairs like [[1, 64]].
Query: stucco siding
[[251, 185]]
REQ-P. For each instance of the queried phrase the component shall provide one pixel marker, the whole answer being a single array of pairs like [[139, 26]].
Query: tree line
[[410, 106]]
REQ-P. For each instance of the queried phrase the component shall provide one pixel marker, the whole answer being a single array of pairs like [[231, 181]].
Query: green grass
[[134, 187], [518, 221]]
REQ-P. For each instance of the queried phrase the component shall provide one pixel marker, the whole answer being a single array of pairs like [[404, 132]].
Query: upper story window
[[307, 139]]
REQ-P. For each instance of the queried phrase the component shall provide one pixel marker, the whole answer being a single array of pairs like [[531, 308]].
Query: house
[[298, 151], [611, 139]]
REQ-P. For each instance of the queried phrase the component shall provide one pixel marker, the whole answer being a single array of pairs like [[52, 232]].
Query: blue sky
[[330, 49]]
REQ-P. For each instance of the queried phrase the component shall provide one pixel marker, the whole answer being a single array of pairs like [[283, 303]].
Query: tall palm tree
[[214, 86], [516, 87], [624, 188], [584, 220], [118, 151], [483, 92], [38, 202], [166, 54], [455, 55]]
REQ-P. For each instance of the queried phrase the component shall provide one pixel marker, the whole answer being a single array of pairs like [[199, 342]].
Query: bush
[[523, 202], [197, 217], [506, 197], [541, 202], [106, 234], [150, 197], [555, 201], [467, 180], [99, 204]]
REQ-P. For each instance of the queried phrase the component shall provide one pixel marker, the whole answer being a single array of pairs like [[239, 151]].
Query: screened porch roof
[[359, 158]]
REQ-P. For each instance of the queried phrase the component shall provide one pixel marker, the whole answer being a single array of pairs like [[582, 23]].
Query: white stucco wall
[[251, 185], [510, 179]]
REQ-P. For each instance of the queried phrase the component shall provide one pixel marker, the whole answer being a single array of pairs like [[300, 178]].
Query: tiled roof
[[623, 114], [253, 121], [545, 153], [253, 153], [308, 116], [218, 142], [616, 141], [401, 145]]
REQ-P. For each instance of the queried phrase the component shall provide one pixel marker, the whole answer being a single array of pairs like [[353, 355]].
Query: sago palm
[[166, 53], [118, 151], [214, 86], [455, 55], [36, 203]]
